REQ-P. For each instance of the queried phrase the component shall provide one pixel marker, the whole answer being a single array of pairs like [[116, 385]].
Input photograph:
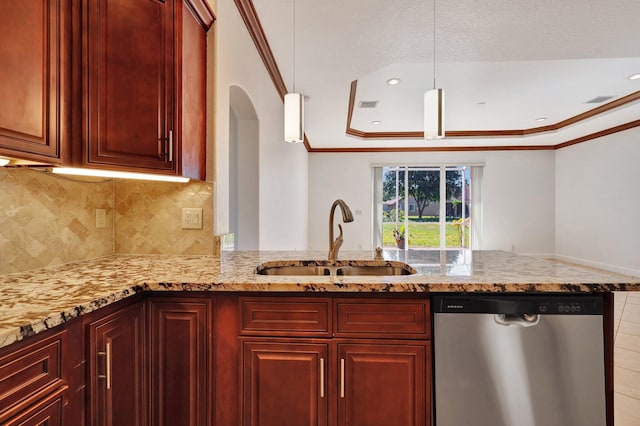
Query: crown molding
[[632, 97]]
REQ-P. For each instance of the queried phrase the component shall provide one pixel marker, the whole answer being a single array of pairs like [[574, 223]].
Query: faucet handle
[[378, 254]]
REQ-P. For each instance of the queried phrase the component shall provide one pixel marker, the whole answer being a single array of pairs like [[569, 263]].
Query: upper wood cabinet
[[144, 79], [35, 73]]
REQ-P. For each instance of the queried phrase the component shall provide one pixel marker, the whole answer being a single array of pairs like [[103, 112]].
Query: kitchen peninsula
[[193, 317]]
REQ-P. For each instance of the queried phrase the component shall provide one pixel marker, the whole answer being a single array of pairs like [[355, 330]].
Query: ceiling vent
[[368, 104], [599, 99]]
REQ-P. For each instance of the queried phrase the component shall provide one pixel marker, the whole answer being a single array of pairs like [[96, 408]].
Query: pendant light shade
[[434, 114], [293, 118]]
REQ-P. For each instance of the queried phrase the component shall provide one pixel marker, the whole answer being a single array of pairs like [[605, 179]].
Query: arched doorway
[[243, 170]]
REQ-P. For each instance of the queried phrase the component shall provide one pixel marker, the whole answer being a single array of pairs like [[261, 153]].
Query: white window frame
[[475, 209]]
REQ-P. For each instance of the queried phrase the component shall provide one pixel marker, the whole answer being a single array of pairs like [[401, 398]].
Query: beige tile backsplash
[[49, 220], [148, 218]]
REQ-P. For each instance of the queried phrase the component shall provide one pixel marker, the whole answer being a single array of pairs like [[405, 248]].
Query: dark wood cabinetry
[[116, 363], [144, 68], [45, 413], [112, 84], [285, 384], [33, 381], [383, 384], [343, 361], [201, 360], [35, 43], [181, 361]]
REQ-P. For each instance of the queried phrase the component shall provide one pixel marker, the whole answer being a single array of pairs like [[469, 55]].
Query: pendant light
[[294, 102], [434, 99]]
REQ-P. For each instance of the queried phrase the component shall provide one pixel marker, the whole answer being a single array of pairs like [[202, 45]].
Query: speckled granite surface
[[41, 299]]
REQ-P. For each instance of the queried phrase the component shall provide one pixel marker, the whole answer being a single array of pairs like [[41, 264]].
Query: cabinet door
[[284, 384], [116, 365], [383, 384], [128, 72], [181, 358], [34, 47]]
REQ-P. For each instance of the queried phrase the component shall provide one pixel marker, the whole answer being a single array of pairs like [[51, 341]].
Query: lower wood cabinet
[[382, 384], [45, 413], [181, 353], [116, 363], [34, 380], [382, 378], [226, 360], [285, 384]]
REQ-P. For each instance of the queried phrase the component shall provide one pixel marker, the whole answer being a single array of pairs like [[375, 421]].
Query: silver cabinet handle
[[321, 377], [107, 368], [170, 145], [108, 350], [341, 377]]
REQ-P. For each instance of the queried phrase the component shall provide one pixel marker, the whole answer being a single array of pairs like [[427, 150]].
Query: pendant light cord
[[294, 46], [434, 44]]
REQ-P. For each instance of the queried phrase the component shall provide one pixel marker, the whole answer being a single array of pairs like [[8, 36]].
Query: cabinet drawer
[[32, 371], [276, 316], [382, 318], [45, 413]]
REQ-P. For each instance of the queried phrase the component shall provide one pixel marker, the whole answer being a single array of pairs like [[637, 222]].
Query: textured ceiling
[[502, 63]]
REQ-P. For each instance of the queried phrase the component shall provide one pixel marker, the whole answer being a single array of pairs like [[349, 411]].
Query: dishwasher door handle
[[523, 320]]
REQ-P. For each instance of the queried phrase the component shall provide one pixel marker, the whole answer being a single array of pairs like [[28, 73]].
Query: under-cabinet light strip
[[116, 175]]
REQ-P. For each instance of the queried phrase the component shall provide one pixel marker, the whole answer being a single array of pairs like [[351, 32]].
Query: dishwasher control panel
[[519, 304]]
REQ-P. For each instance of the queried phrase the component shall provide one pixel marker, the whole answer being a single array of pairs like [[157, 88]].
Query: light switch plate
[[101, 218], [192, 218]]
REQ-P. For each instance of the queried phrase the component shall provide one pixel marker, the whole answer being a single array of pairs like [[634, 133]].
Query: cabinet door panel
[[128, 70], [180, 362], [117, 368], [285, 384], [33, 49], [382, 385]]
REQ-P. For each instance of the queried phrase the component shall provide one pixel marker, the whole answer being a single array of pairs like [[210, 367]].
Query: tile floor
[[627, 359]]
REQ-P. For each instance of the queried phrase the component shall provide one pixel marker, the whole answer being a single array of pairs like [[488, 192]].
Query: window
[[424, 207]]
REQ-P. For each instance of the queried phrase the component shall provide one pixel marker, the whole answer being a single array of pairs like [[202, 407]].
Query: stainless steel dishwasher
[[520, 360]]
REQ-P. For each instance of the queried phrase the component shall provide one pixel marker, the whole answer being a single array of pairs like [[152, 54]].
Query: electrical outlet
[[192, 218], [101, 218]]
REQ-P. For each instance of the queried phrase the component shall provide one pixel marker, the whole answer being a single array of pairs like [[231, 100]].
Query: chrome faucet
[[347, 216]]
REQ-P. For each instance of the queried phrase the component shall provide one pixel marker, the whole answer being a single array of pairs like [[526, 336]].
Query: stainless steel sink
[[336, 267]]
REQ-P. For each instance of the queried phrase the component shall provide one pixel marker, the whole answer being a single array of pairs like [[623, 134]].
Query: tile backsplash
[[49, 220], [148, 218]]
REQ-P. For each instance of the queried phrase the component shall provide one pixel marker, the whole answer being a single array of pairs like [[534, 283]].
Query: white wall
[[283, 167], [598, 202], [518, 196]]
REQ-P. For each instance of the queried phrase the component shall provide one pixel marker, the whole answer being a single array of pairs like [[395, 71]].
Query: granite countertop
[[41, 299]]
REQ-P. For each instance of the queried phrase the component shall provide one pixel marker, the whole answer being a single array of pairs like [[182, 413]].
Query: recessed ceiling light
[[634, 77], [393, 81], [541, 119], [376, 122]]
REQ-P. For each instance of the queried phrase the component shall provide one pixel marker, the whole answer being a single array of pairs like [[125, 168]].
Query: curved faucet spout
[[347, 216]]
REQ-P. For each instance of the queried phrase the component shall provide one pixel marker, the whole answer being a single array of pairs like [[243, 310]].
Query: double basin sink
[[334, 268]]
